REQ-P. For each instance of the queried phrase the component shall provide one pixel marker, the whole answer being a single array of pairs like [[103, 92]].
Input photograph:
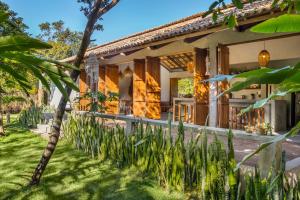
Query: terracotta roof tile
[[194, 23]]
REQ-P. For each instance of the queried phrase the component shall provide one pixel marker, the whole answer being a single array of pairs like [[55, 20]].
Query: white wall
[[280, 49], [165, 84], [125, 82], [165, 81]]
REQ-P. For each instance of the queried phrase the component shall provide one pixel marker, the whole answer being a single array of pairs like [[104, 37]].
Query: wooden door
[[201, 89], [112, 85], [139, 88], [223, 101], [153, 109]]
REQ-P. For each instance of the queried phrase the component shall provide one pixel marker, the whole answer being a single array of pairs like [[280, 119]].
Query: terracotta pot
[[261, 130]]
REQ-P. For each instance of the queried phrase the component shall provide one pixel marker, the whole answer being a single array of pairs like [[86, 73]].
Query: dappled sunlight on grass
[[70, 174]]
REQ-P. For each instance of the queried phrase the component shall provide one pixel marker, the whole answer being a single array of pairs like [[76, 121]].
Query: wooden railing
[[253, 118]]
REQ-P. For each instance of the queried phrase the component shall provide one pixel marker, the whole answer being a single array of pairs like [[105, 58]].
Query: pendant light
[[264, 57], [127, 72], [190, 67]]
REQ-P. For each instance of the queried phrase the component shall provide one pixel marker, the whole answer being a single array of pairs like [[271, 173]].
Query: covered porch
[[148, 79]]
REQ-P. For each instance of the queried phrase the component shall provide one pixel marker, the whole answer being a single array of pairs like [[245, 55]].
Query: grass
[[70, 174]]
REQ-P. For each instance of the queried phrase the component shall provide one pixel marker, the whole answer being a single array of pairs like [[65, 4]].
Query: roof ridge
[[194, 16], [199, 14]]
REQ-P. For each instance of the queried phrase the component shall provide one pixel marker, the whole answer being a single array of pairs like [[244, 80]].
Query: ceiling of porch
[[176, 62]]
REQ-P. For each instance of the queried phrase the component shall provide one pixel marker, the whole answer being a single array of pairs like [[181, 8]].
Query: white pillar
[[213, 86]]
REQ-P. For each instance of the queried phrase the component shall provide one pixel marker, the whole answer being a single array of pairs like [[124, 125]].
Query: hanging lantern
[[121, 75], [190, 67], [264, 58], [207, 63], [127, 72]]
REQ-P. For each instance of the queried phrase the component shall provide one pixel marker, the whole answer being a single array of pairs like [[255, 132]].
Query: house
[[145, 68]]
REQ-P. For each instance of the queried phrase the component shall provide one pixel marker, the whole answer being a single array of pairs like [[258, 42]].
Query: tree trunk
[[97, 11], [8, 117], [1, 125], [2, 133]]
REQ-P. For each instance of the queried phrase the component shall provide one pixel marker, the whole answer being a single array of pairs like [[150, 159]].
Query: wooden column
[[223, 101], [139, 88], [112, 85], [153, 109], [201, 90], [101, 80], [83, 88], [173, 88]]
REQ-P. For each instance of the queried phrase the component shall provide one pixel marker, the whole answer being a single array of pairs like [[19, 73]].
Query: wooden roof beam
[[155, 47], [127, 53], [243, 28], [193, 39]]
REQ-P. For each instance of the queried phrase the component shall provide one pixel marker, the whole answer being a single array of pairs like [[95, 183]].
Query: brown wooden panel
[[101, 82], [139, 88], [223, 101], [82, 82], [153, 97], [153, 110], [173, 88], [112, 85], [152, 74], [139, 108], [201, 90], [83, 88]]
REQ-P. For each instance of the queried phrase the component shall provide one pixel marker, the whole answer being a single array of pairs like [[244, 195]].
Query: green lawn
[[70, 174]]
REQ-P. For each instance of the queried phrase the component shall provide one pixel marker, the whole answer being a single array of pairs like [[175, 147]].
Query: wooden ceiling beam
[[174, 61], [189, 57]]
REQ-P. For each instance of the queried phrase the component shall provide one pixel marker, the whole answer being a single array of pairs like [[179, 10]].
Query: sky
[[128, 17]]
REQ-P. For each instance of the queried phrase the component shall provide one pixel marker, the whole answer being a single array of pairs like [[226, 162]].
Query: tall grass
[[31, 117], [192, 165]]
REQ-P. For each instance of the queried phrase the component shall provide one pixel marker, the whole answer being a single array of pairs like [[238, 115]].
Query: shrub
[[191, 165]]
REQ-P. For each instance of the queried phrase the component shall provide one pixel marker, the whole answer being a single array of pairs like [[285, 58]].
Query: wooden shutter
[[201, 90], [112, 85], [83, 87], [223, 101], [101, 81], [153, 109], [139, 88]]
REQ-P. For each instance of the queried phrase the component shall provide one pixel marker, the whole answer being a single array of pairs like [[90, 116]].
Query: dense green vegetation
[[185, 86], [195, 165], [71, 174]]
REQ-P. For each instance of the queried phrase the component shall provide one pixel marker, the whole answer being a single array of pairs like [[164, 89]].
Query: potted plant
[[264, 129]]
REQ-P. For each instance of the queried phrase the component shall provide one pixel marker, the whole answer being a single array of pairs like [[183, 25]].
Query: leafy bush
[[191, 165], [31, 117]]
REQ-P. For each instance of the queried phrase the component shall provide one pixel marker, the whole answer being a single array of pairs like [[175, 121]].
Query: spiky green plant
[[176, 162], [31, 116]]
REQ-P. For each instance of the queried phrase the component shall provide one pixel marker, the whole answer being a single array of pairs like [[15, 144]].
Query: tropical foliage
[[291, 7], [97, 100], [64, 41], [287, 78], [18, 55], [185, 86], [30, 117], [183, 164]]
